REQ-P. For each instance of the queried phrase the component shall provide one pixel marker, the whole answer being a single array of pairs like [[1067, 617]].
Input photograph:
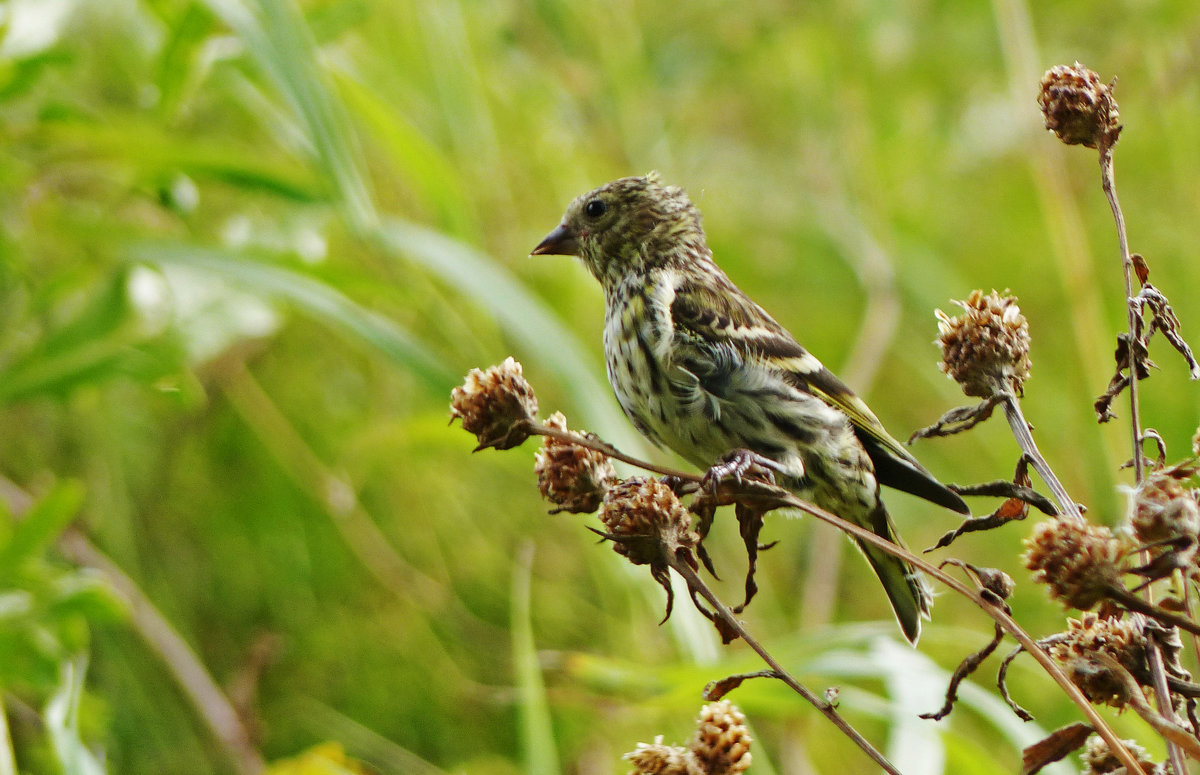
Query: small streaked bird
[[700, 368]]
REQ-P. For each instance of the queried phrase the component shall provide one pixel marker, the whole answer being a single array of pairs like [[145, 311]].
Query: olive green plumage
[[700, 368]]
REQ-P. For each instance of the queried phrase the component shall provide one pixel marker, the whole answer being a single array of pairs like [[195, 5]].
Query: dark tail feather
[[909, 476], [902, 582]]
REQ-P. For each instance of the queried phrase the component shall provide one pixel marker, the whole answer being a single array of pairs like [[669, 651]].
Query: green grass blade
[[305, 293], [537, 731], [277, 37], [42, 524], [62, 722]]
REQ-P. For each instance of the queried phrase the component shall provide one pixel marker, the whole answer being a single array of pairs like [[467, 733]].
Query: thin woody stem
[[1162, 693], [1108, 183], [696, 584], [1167, 726], [538, 429], [996, 612], [1146, 608], [1020, 429]]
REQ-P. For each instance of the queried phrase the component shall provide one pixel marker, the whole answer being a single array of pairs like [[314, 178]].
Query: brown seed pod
[[495, 404], [1122, 639], [1078, 106], [1079, 561], [986, 349]]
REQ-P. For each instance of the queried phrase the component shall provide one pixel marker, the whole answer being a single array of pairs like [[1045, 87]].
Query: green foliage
[[248, 246]]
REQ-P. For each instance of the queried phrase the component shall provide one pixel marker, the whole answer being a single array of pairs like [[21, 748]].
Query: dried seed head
[[986, 349], [646, 516], [1079, 107], [573, 477], [1099, 760], [1124, 640], [658, 759], [721, 746], [1163, 510], [1196, 443], [494, 404], [1079, 561], [722, 741]]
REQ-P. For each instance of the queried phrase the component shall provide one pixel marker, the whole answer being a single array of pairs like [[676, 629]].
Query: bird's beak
[[560, 242]]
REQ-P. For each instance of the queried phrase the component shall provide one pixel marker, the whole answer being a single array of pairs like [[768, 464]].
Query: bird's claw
[[679, 485], [739, 465]]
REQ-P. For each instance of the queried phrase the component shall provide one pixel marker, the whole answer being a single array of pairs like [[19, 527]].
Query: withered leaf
[[728, 634], [957, 420], [750, 523], [969, 664], [1020, 495], [1140, 267], [1163, 319], [1059, 744], [718, 689], [1120, 378]]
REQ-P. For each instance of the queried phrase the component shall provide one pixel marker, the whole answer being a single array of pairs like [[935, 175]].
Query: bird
[[700, 368]]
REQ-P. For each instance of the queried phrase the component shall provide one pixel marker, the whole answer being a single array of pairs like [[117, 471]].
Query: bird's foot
[[737, 466]]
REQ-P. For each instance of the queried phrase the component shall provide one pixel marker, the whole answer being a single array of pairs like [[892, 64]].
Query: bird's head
[[628, 226]]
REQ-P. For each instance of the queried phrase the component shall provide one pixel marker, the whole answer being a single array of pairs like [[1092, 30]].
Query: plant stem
[[696, 584], [538, 429], [1148, 609], [998, 614], [183, 664], [1162, 694], [1020, 429], [1108, 183]]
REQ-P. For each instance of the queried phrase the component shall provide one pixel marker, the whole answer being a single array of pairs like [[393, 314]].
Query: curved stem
[[997, 613], [180, 660], [696, 584]]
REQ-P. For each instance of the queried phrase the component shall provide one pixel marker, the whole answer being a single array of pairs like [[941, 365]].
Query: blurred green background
[[248, 246]]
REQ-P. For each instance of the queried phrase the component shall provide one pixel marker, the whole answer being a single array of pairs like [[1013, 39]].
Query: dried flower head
[[649, 525], [1196, 443], [1079, 561], [1122, 639], [1163, 510], [986, 349], [722, 741], [658, 759], [1079, 107], [645, 516], [1099, 760], [569, 475], [721, 746], [495, 404]]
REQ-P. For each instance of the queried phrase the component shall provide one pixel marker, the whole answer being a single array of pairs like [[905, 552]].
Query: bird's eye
[[595, 208]]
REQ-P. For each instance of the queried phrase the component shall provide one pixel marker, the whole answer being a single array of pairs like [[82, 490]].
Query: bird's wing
[[715, 311]]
